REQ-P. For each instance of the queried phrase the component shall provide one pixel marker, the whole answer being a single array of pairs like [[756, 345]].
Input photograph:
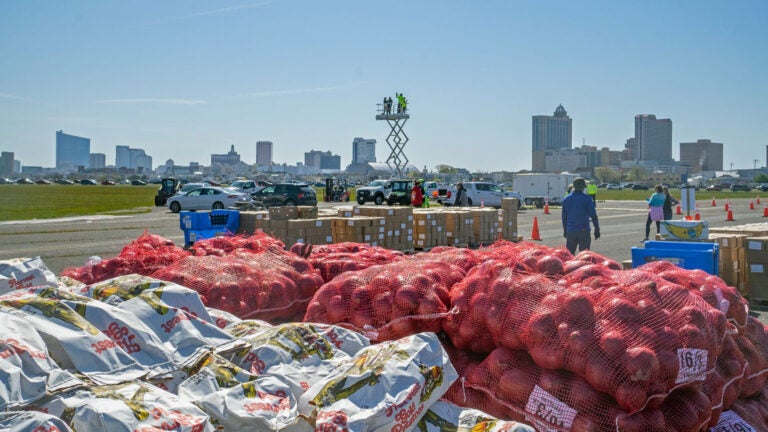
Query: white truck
[[482, 194], [538, 189]]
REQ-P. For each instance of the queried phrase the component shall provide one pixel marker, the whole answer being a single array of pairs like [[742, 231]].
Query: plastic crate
[[687, 255], [215, 219], [191, 236]]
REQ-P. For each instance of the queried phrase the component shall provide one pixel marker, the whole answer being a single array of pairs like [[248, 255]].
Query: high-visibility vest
[[591, 189]]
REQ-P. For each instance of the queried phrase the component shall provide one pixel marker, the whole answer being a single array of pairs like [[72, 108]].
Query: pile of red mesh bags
[[388, 301], [335, 259], [145, 255]]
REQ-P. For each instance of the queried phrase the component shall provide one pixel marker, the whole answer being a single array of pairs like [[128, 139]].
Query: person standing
[[462, 199], [417, 195], [578, 209], [592, 192], [655, 210], [669, 202]]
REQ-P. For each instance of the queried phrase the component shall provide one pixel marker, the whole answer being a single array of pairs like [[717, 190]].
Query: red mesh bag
[[388, 301], [145, 255], [752, 341], [221, 246], [753, 412], [261, 286], [462, 257], [527, 257], [333, 260]]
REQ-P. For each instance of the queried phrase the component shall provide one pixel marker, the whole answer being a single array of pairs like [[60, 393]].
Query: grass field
[[22, 202]]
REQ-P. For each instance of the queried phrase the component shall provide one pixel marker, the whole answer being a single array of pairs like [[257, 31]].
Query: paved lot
[[70, 242]]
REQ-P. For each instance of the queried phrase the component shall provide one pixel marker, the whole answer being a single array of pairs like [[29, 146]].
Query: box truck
[[537, 189]]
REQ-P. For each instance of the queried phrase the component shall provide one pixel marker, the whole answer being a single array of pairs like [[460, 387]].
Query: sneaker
[[644, 240]]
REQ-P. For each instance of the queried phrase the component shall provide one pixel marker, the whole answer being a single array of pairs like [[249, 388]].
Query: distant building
[[263, 153], [231, 158], [72, 151], [97, 161], [363, 150], [653, 138], [135, 159], [16, 166], [702, 155], [6, 164], [550, 133], [322, 160]]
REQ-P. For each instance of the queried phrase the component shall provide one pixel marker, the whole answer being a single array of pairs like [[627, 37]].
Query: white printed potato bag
[[121, 288], [185, 334], [190, 381], [26, 370], [31, 421], [301, 354], [21, 273], [223, 318], [445, 416], [384, 387], [729, 421], [265, 404], [73, 342], [129, 407], [123, 327]]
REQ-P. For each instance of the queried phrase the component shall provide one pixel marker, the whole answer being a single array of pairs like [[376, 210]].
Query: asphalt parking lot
[[69, 242]]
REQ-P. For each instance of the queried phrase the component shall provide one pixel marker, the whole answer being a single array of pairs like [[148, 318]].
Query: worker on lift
[[402, 103]]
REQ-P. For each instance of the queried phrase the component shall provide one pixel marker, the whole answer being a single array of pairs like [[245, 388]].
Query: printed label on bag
[[549, 413], [693, 365], [731, 422]]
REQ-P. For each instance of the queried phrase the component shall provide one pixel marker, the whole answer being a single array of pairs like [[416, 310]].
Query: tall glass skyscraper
[[363, 150], [550, 133], [653, 138], [72, 151]]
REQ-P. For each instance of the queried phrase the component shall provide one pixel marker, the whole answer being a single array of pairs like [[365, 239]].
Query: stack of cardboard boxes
[[747, 258], [289, 224], [426, 229], [508, 219], [485, 225], [358, 229], [757, 267], [458, 227], [398, 225], [731, 267]]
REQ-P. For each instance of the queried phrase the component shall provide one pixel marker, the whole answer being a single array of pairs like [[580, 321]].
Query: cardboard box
[[307, 212], [283, 213]]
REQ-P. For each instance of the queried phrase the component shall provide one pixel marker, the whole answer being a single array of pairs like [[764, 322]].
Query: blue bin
[[204, 225], [687, 255]]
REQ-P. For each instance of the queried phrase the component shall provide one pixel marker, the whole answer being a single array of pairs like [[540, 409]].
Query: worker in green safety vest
[[402, 103], [592, 192]]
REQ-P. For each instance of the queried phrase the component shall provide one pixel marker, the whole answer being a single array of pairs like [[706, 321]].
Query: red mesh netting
[[335, 259], [221, 246], [145, 255], [753, 411], [262, 285], [527, 257], [462, 257], [389, 301]]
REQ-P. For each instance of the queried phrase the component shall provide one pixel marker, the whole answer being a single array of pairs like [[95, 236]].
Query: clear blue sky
[[184, 79]]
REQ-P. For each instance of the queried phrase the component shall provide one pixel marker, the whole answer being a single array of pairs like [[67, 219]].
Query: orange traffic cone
[[727, 207], [679, 210], [698, 215], [714, 204], [758, 199], [765, 210], [730, 216], [535, 231], [546, 207], [751, 205]]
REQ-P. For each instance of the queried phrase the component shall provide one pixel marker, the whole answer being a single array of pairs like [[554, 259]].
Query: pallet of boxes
[[290, 224], [744, 258], [388, 227]]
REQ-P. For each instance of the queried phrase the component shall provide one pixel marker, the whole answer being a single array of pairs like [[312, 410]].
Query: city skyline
[[306, 75]]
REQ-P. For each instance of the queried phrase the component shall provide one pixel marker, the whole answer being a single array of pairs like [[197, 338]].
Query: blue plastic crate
[[215, 219], [687, 255], [192, 236]]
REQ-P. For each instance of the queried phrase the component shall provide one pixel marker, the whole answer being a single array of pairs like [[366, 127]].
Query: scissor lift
[[396, 139]]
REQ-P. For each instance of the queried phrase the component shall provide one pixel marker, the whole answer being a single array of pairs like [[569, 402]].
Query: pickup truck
[[375, 191], [248, 186], [482, 194]]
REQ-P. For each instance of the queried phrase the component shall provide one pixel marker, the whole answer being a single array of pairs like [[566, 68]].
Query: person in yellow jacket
[[592, 192]]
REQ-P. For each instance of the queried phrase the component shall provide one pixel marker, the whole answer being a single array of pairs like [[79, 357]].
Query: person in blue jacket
[[655, 210], [578, 209]]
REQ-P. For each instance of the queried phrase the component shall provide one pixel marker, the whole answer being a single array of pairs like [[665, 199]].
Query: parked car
[[42, 182], [205, 198], [24, 181], [286, 194], [192, 186], [108, 183], [714, 188], [612, 186], [64, 182], [627, 185], [740, 188], [88, 182], [639, 187], [4, 180], [248, 186], [376, 191], [138, 183], [762, 187]]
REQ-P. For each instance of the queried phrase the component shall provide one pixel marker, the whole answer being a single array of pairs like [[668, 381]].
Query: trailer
[[538, 189]]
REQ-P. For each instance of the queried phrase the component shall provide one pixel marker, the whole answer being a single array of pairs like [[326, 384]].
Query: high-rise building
[[363, 150], [98, 161], [550, 133], [6, 163], [263, 153], [136, 159], [702, 155], [322, 160], [653, 138], [72, 151], [231, 158]]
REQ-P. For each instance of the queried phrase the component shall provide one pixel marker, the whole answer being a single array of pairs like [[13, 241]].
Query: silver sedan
[[206, 198]]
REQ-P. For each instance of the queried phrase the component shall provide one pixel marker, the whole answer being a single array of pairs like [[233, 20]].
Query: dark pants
[[667, 214], [580, 239], [648, 226]]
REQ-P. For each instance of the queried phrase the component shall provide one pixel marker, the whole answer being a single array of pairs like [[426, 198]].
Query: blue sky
[[184, 79]]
